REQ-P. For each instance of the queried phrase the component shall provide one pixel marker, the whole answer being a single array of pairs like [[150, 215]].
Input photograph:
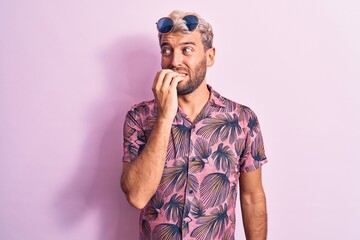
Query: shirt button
[[193, 159], [191, 191]]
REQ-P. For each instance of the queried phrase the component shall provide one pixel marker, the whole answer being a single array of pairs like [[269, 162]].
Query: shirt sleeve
[[253, 156], [133, 136]]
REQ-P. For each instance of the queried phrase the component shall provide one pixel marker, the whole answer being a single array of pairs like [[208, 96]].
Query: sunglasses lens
[[165, 24], [191, 22]]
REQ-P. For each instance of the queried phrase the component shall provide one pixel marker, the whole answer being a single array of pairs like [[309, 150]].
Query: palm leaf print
[[187, 219], [214, 189], [166, 231], [197, 164], [232, 195], [174, 208], [216, 107], [245, 153], [128, 129], [133, 143], [202, 152], [181, 140], [197, 208], [212, 225], [229, 105], [149, 123], [141, 140], [244, 112], [253, 125], [204, 113], [229, 233], [131, 124], [152, 210], [142, 109], [133, 149], [257, 148], [146, 229], [174, 177], [224, 157], [202, 148], [193, 184], [224, 126], [239, 146], [136, 147]]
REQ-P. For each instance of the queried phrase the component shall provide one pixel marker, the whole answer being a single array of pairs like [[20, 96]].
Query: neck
[[192, 104]]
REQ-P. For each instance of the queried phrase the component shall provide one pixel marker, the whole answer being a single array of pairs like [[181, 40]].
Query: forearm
[[254, 215], [140, 181]]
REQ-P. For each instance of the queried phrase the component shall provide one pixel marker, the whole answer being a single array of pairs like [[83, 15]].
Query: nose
[[177, 59]]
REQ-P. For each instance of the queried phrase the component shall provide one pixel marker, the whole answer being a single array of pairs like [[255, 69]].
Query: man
[[186, 151]]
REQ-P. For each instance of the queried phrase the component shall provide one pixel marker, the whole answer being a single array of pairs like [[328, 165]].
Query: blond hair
[[203, 27]]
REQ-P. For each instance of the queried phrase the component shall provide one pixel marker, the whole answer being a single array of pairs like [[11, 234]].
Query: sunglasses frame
[[172, 23]]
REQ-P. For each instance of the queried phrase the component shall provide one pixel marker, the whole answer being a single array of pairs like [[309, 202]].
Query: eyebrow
[[183, 43]]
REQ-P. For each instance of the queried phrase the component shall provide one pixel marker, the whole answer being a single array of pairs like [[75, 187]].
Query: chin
[[185, 89], [188, 86]]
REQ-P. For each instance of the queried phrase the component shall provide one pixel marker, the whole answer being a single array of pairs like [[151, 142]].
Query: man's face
[[184, 53]]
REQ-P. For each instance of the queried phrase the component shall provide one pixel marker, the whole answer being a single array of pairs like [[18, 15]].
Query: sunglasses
[[166, 24]]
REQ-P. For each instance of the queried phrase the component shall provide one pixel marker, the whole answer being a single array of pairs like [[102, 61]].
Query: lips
[[181, 71]]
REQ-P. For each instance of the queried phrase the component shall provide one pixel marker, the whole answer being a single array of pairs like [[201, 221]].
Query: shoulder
[[141, 115], [244, 112], [143, 108]]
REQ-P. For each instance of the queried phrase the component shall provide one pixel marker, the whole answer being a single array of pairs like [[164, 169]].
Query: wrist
[[164, 121]]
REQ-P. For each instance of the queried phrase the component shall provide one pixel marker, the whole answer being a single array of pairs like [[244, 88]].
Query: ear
[[210, 57]]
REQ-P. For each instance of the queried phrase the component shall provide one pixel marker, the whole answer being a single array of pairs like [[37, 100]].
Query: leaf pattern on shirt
[[197, 208], [214, 189], [224, 157], [197, 165], [174, 177], [253, 125], [239, 146], [196, 197], [181, 144], [224, 126], [193, 184], [202, 148], [212, 225], [146, 229], [166, 231], [187, 218], [257, 149], [174, 208], [229, 233], [243, 112], [153, 209]]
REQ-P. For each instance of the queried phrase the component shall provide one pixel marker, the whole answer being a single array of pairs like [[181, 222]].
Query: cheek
[[165, 62]]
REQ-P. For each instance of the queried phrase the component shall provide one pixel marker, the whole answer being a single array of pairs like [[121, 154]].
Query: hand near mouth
[[164, 89]]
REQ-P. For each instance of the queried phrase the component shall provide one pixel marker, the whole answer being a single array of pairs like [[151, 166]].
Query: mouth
[[181, 71], [182, 74]]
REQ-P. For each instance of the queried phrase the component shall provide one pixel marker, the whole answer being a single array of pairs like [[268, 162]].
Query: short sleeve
[[134, 141], [253, 156]]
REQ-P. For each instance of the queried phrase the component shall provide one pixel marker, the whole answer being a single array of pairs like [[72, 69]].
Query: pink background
[[69, 71]]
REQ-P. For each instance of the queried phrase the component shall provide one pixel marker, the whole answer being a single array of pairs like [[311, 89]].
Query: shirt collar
[[215, 98]]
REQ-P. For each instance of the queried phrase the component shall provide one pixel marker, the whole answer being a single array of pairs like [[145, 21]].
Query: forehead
[[179, 38]]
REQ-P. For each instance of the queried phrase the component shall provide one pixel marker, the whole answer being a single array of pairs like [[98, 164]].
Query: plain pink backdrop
[[69, 71]]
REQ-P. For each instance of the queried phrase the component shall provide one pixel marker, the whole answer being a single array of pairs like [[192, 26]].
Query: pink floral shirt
[[196, 198]]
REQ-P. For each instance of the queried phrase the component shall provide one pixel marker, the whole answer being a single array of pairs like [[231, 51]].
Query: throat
[[193, 104]]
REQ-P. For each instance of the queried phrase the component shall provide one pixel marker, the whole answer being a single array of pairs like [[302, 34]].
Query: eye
[[188, 50], [165, 51]]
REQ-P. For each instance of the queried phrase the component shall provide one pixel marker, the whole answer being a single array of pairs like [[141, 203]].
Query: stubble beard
[[194, 81]]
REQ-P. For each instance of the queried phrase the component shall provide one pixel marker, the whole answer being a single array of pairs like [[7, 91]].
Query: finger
[[175, 81], [155, 80], [167, 80], [160, 78]]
